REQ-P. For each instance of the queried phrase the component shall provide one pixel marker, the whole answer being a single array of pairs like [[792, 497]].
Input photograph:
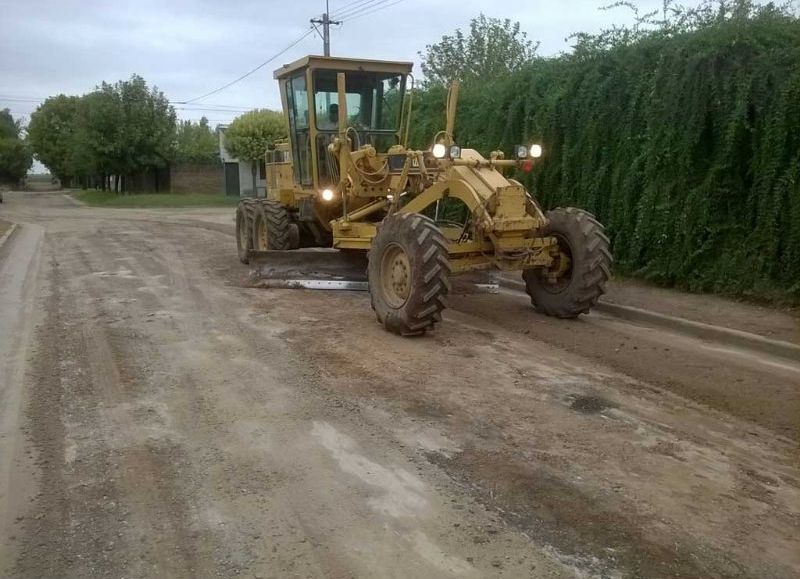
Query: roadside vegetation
[[119, 130], [681, 133], [15, 154], [144, 200], [252, 133]]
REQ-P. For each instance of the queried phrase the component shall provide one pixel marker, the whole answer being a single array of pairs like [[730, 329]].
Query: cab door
[[299, 128]]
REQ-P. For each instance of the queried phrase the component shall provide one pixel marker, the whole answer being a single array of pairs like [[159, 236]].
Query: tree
[[117, 129], [97, 142], [196, 143], [51, 133], [149, 126], [15, 155], [251, 134], [9, 128], [491, 48]]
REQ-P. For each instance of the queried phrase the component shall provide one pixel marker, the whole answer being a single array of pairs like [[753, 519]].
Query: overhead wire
[[256, 69], [343, 8], [353, 8], [350, 11], [381, 5]]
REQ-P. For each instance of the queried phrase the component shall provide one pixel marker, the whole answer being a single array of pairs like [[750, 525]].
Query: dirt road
[[159, 419]]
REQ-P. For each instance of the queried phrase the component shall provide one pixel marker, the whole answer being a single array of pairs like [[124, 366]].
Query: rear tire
[[244, 230], [583, 240], [408, 274], [271, 227]]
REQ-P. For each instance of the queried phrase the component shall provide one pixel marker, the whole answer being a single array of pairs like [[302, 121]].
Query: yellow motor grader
[[347, 179]]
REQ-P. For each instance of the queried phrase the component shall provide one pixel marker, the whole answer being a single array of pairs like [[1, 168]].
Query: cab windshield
[[374, 100]]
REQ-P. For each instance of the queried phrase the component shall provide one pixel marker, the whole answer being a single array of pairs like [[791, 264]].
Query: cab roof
[[343, 64]]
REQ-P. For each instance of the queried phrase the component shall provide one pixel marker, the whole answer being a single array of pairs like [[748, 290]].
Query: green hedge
[[685, 144]]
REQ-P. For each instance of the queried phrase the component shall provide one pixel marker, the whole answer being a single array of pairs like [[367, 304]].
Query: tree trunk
[[116, 184]]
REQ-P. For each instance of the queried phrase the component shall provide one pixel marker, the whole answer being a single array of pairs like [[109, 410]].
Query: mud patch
[[590, 404], [594, 532]]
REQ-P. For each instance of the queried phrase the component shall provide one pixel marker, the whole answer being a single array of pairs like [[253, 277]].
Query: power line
[[177, 106], [21, 100], [245, 75], [375, 8], [342, 8], [353, 8]]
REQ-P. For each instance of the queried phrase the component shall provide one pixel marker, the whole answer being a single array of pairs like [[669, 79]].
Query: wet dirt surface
[[775, 323], [172, 422]]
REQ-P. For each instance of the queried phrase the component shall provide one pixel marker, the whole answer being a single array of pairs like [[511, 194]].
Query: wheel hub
[[558, 277], [396, 276]]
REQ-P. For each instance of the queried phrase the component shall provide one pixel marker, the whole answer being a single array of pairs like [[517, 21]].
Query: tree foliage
[[116, 129], [51, 133], [490, 49], [682, 133], [146, 126], [196, 143], [251, 134], [15, 155], [9, 128]]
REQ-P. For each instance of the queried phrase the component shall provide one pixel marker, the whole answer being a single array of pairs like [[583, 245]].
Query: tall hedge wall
[[685, 144]]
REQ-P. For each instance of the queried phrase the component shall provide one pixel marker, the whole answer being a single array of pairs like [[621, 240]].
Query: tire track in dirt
[[176, 433], [582, 476], [99, 486]]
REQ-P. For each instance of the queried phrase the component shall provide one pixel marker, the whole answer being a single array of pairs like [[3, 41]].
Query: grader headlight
[[439, 151], [521, 151], [327, 195], [536, 151], [455, 152]]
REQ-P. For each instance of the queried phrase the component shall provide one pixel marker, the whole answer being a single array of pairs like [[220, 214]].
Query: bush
[[683, 139]]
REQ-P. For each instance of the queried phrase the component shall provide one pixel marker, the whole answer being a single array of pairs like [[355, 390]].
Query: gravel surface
[[160, 419]]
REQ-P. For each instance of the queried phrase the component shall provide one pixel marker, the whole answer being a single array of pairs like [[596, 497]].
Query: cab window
[[297, 99], [374, 100]]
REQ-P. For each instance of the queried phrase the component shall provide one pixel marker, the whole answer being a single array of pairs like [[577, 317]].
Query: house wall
[[197, 178], [147, 181], [245, 175], [246, 181]]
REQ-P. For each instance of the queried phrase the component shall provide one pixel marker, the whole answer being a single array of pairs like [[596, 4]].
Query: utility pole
[[326, 27]]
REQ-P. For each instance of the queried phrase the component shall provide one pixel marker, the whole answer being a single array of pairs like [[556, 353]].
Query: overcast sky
[[189, 47]]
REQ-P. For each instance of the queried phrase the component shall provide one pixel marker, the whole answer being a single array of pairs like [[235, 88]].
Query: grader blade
[[330, 269], [318, 269]]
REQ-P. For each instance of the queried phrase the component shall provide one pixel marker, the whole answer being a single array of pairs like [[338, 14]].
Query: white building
[[239, 174]]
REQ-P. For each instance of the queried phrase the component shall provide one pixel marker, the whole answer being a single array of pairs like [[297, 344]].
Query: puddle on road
[[591, 404]]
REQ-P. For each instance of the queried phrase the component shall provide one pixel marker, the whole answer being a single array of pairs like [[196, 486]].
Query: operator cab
[[374, 97]]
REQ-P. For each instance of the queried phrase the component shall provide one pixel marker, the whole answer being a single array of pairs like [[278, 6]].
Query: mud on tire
[[585, 241], [271, 226], [408, 274]]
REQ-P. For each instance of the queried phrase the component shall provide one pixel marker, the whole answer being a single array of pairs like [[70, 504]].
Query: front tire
[[573, 287], [408, 274], [271, 227]]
